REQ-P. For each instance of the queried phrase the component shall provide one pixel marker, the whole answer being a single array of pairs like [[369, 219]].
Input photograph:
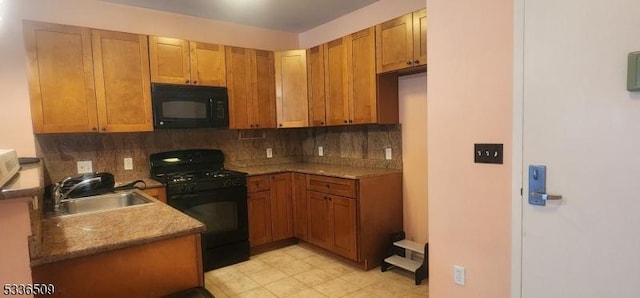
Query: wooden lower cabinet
[[270, 208], [300, 205], [318, 220], [342, 217], [159, 193], [139, 271], [260, 218]]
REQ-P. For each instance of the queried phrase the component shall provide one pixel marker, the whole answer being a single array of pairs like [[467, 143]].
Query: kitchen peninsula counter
[[72, 236], [338, 171]]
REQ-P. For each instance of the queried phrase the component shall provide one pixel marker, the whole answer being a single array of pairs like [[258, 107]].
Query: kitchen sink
[[100, 203]]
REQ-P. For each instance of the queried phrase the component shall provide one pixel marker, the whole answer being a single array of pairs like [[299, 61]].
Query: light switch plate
[[320, 151], [85, 166], [269, 153], [387, 153], [128, 163], [633, 71]]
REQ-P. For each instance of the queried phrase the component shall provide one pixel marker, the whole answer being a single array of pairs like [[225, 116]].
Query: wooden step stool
[[401, 255]]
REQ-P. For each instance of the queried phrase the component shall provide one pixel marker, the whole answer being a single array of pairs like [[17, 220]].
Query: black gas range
[[199, 185]]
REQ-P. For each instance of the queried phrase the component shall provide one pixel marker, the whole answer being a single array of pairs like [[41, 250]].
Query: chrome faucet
[[59, 196]]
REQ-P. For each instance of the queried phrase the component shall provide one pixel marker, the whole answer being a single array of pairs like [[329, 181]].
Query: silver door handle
[[545, 197]]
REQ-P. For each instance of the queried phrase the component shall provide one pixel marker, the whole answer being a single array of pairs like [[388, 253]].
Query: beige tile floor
[[297, 271]]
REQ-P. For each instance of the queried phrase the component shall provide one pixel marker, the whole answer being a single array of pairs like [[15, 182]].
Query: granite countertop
[[27, 184], [348, 172], [96, 232]]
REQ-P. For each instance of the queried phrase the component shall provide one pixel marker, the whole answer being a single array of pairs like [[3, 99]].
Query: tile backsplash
[[350, 145]]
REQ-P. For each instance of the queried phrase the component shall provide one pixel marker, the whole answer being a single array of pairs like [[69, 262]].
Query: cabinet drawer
[[257, 183], [331, 185]]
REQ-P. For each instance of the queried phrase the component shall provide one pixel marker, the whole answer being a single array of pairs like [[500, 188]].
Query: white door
[[582, 123]]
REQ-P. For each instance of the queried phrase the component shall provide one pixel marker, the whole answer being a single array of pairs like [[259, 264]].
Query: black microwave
[[184, 106]]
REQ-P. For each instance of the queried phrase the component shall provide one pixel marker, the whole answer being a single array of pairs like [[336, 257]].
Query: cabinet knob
[[280, 124], [104, 129], [417, 61], [95, 129], [321, 123], [257, 125], [328, 186], [345, 121], [350, 121], [195, 82], [187, 81], [408, 62], [251, 125]]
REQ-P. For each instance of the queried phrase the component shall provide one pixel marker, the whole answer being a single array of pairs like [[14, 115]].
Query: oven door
[[223, 211]]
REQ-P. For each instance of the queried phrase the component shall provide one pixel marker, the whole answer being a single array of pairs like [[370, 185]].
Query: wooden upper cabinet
[[177, 61], [401, 42], [61, 79], [362, 77], [123, 93], [316, 85], [251, 88], [265, 90], [207, 64], [77, 82], [336, 83], [292, 105], [420, 37]]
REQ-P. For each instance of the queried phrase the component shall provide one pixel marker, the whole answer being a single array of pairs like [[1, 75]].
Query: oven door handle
[[181, 197]]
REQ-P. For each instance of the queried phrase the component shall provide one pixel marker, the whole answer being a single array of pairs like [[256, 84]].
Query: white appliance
[[9, 165]]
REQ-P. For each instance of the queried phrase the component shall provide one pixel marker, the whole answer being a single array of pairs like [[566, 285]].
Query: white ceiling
[[284, 15]]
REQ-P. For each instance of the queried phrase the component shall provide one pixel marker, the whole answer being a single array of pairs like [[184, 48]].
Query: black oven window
[[217, 216], [184, 110]]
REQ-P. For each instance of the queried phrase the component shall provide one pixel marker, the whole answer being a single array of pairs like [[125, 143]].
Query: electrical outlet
[[320, 151], [128, 163], [458, 275], [269, 153], [488, 153], [387, 153], [84, 166]]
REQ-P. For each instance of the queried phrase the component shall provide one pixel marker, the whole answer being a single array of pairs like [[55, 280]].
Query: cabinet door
[[420, 37], [316, 77], [300, 205], [123, 93], [61, 79], [238, 65], [207, 64], [343, 219], [169, 60], [259, 218], [291, 88], [394, 44], [362, 77], [264, 106], [320, 232], [281, 207], [159, 193], [336, 83]]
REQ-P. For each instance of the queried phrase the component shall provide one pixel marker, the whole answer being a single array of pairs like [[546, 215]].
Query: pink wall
[[15, 115], [14, 252], [470, 46]]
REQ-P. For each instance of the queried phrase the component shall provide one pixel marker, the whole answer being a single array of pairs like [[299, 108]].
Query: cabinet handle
[[195, 82], [417, 61], [350, 121], [95, 129], [187, 81], [251, 125], [329, 198], [321, 123], [408, 62], [280, 124], [104, 129], [345, 121], [257, 125]]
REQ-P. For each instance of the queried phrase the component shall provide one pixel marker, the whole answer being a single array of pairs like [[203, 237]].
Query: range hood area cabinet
[[77, 84], [177, 61], [291, 89], [401, 43], [251, 88]]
